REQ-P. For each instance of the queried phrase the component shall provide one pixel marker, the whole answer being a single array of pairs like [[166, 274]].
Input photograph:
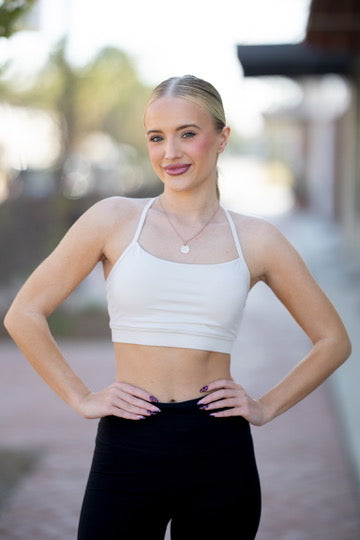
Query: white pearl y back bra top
[[154, 301]]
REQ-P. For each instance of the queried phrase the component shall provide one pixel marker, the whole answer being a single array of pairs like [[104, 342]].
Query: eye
[[188, 134], [155, 138]]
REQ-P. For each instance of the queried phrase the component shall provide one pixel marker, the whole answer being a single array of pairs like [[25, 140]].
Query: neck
[[198, 205]]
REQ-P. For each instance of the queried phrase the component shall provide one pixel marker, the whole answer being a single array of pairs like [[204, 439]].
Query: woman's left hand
[[227, 393]]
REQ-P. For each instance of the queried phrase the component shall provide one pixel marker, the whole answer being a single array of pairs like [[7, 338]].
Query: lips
[[175, 170]]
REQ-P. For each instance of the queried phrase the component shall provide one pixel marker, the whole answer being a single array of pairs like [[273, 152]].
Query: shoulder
[[257, 229], [116, 207], [113, 211], [103, 220], [265, 247]]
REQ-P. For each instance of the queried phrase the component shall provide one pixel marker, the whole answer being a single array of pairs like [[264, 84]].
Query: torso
[[171, 373]]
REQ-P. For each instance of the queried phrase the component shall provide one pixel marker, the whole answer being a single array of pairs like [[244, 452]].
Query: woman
[[174, 441]]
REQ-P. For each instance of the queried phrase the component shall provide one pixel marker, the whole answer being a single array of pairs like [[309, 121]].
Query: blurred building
[[320, 137], [327, 67]]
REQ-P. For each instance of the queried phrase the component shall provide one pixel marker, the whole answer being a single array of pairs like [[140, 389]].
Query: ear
[[223, 138]]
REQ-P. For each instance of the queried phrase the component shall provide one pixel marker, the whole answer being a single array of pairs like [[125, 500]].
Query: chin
[[179, 184]]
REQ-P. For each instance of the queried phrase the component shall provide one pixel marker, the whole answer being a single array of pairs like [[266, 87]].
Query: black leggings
[[181, 465]]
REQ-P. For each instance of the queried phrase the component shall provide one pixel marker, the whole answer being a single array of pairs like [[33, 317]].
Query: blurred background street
[[304, 457], [74, 78]]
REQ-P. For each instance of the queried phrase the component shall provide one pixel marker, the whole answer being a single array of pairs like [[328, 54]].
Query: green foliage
[[108, 94], [11, 13], [104, 95]]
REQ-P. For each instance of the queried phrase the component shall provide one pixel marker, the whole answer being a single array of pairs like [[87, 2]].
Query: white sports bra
[[154, 301]]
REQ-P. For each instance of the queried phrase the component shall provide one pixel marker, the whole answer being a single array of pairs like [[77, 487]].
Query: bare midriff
[[170, 374]]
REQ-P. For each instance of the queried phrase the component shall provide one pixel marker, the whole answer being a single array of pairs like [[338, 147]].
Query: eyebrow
[[185, 126]]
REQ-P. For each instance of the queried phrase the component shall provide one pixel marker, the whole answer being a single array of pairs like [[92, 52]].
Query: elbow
[[336, 348], [15, 319], [347, 347], [21, 316], [10, 322], [344, 347], [7, 320]]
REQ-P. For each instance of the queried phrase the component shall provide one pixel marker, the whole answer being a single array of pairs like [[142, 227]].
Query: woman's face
[[183, 143]]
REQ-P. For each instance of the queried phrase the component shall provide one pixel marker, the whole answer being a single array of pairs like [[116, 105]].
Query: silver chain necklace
[[185, 248]]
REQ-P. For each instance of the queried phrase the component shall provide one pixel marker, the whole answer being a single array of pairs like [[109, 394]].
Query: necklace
[[185, 248]]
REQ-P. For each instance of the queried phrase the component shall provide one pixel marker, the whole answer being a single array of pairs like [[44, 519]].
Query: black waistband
[[189, 404]]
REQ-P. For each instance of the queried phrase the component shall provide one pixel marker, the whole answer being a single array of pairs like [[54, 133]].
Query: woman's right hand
[[119, 399]]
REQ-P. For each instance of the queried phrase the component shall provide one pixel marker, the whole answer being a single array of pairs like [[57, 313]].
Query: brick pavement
[[308, 489]]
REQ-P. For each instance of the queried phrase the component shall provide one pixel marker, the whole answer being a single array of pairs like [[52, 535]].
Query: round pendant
[[184, 248]]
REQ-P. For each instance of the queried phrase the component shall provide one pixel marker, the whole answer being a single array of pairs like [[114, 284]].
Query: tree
[[104, 95], [11, 14]]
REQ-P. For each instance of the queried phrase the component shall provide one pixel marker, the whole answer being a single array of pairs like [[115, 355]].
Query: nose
[[172, 148]]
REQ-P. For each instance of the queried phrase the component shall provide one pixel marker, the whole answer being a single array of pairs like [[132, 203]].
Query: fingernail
[[154, 399], [203, 407], [153, 412], [204, 388]]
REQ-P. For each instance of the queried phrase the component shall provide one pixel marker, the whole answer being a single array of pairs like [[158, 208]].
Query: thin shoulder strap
[[142, 219], [234, 233]]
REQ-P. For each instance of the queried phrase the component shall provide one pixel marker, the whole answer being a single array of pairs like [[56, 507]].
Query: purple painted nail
[[203, 407], [204, 388], [154, 399], [152, 412]]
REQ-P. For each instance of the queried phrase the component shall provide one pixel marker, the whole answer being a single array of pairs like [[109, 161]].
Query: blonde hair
[[196, 90]]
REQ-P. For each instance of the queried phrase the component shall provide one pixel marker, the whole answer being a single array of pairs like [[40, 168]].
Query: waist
[[170, 374], [180, 428]]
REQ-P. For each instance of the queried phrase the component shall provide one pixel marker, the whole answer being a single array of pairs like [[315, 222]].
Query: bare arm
[[279, 265], [289, 278], [50, 284]]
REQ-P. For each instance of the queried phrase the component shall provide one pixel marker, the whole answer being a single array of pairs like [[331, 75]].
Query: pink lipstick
[[175, 170]]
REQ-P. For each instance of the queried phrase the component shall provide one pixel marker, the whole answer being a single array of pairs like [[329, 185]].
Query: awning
[[292, 60]]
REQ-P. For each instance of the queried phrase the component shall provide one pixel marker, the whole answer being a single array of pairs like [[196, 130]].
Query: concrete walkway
[[308, 478]]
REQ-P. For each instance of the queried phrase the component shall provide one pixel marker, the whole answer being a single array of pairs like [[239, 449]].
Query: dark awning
[[334, 25], [292, 60]]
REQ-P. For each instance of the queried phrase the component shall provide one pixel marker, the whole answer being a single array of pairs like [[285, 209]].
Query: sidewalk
[[320, 244], [307, 477]]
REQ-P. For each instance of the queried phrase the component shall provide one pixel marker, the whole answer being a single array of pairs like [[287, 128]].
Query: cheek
[[153, 153], [202, 147]]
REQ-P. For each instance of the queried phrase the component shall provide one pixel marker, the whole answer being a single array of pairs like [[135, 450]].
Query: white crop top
[[154, 301]]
